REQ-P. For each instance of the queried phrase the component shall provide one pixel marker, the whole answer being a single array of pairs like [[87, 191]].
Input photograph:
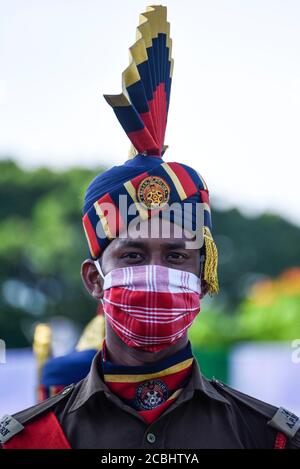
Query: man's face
[[170, 251], [152, 246]]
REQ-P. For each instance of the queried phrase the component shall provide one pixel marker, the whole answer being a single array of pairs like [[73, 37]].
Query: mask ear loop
[[98, 267]]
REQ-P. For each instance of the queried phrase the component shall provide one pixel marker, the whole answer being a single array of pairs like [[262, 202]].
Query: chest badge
[[153, 192], [151, 394]]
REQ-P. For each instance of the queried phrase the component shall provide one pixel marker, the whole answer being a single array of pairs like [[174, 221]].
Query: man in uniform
[[145, 388]]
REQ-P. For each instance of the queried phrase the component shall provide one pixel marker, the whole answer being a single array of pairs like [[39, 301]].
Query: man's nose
[[156, 258]]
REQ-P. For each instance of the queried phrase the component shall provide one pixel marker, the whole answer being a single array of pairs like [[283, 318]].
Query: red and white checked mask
[[150, 306]]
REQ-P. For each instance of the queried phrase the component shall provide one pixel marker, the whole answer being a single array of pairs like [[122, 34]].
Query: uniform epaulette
[[10, 425], [280, 418]]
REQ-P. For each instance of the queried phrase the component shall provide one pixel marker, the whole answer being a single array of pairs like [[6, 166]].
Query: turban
[[145, 180]]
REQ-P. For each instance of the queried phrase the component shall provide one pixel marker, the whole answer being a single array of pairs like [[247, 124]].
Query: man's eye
[[176, 256], [132, 255]]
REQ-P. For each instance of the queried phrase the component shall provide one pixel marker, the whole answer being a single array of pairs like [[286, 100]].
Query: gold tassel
[[211, 262]]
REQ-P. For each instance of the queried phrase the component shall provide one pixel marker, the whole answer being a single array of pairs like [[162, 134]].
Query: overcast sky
[[235, 100]]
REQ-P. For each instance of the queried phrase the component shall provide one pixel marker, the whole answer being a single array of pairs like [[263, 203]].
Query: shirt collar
[[94, 384]]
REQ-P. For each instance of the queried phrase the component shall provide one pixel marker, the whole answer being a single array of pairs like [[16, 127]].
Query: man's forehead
[[163, 233], [157, 228]]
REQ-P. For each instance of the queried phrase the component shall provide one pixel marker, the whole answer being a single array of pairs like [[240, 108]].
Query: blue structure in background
[[18, 381]]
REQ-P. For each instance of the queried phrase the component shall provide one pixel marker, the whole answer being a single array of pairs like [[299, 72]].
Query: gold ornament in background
[[42, 345], [93, 334]]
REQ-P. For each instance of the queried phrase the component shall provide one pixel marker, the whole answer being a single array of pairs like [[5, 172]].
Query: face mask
[[150, 306]]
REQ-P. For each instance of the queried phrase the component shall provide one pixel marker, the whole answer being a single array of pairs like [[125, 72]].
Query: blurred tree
[[272, 309], [270, 312], [42, 245], [251, 249]]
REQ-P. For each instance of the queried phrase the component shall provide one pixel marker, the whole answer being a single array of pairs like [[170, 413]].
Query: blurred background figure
[[56, 373]]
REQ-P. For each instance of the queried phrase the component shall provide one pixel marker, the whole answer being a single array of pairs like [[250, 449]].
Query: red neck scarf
[[149, 389]]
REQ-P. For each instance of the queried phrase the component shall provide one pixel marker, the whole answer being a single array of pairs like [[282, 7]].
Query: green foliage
[[251, 249], [42, 245], [213, 328], [271, 312]]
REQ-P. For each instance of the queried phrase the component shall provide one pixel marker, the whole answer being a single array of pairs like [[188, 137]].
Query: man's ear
[[91, 278], [204, 289], [204, 286]]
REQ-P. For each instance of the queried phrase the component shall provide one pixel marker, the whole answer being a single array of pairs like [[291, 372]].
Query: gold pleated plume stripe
[[152, 22]]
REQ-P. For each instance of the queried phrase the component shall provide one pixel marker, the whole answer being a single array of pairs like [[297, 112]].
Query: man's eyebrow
[[131, 243]]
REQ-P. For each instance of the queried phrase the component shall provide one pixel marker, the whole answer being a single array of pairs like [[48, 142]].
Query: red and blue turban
[[146, 180]]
